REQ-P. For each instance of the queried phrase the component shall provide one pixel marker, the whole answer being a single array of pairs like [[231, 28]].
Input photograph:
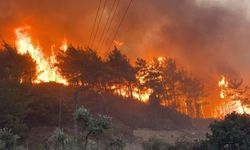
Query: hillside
[[128, 115]]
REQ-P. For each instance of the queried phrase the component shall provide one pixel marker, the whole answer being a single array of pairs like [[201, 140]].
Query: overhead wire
[[99, 23], [106, 24], [106, 34], [119, 25], [95, 20]]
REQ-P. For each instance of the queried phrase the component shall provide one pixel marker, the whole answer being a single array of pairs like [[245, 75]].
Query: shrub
[[89, 125], [61, 141], [231, 133], [116, 143], [8, 140]]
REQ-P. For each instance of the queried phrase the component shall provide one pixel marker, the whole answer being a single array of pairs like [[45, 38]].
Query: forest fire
[[46, 72], [124, 74]]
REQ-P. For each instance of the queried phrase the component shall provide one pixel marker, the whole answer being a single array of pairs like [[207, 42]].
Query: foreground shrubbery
[[87, 126], [232, 133]]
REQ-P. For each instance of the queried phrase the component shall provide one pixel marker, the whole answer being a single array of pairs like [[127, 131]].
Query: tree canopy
[[16, 67], [231, 133]]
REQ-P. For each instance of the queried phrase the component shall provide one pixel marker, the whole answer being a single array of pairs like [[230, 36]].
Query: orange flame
[[223, 84], [46, 72], [229, 105], [118, 44], [64, 45], [136, 94]]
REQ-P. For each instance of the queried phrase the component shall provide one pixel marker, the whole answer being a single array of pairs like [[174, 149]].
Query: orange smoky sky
[[209, 38]]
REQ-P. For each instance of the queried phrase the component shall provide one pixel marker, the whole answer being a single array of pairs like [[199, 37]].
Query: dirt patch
[[169, 136]]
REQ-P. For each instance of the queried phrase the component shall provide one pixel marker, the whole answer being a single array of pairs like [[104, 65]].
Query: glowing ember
[[46, 72]]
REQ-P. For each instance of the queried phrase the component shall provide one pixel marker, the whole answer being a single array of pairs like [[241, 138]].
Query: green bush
[[90, 125], [232, 133], [61, 141], [8, 140]]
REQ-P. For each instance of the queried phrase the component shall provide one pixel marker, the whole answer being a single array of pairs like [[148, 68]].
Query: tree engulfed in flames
[[230, 103], [46, 71]]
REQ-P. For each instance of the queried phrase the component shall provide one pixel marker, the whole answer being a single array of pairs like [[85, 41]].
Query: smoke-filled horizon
[[209, 38]]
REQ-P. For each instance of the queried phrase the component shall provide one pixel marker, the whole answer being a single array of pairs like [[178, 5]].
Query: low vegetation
[[232, 133], [87, 125]]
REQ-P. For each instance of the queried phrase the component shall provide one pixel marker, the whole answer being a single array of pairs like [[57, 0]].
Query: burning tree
[[81, 67], [193, 92], [121, 71], [234, 91], [16, 67], [171, 86], [45, 69]]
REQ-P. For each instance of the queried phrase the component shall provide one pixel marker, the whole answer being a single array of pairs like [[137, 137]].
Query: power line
[[99, 22], [119, 26], [106, 24], [106, 34], [93, 27]]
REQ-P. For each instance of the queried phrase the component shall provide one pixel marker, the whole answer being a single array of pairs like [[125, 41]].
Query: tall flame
[[223, 84], [46, 72], [64, 45]]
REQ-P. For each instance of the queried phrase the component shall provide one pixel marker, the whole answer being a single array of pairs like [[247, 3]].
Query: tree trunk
[[74, 106], [86, 141], [130, 90]]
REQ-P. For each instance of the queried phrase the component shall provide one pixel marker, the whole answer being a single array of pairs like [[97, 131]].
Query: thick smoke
[[208, 37]]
